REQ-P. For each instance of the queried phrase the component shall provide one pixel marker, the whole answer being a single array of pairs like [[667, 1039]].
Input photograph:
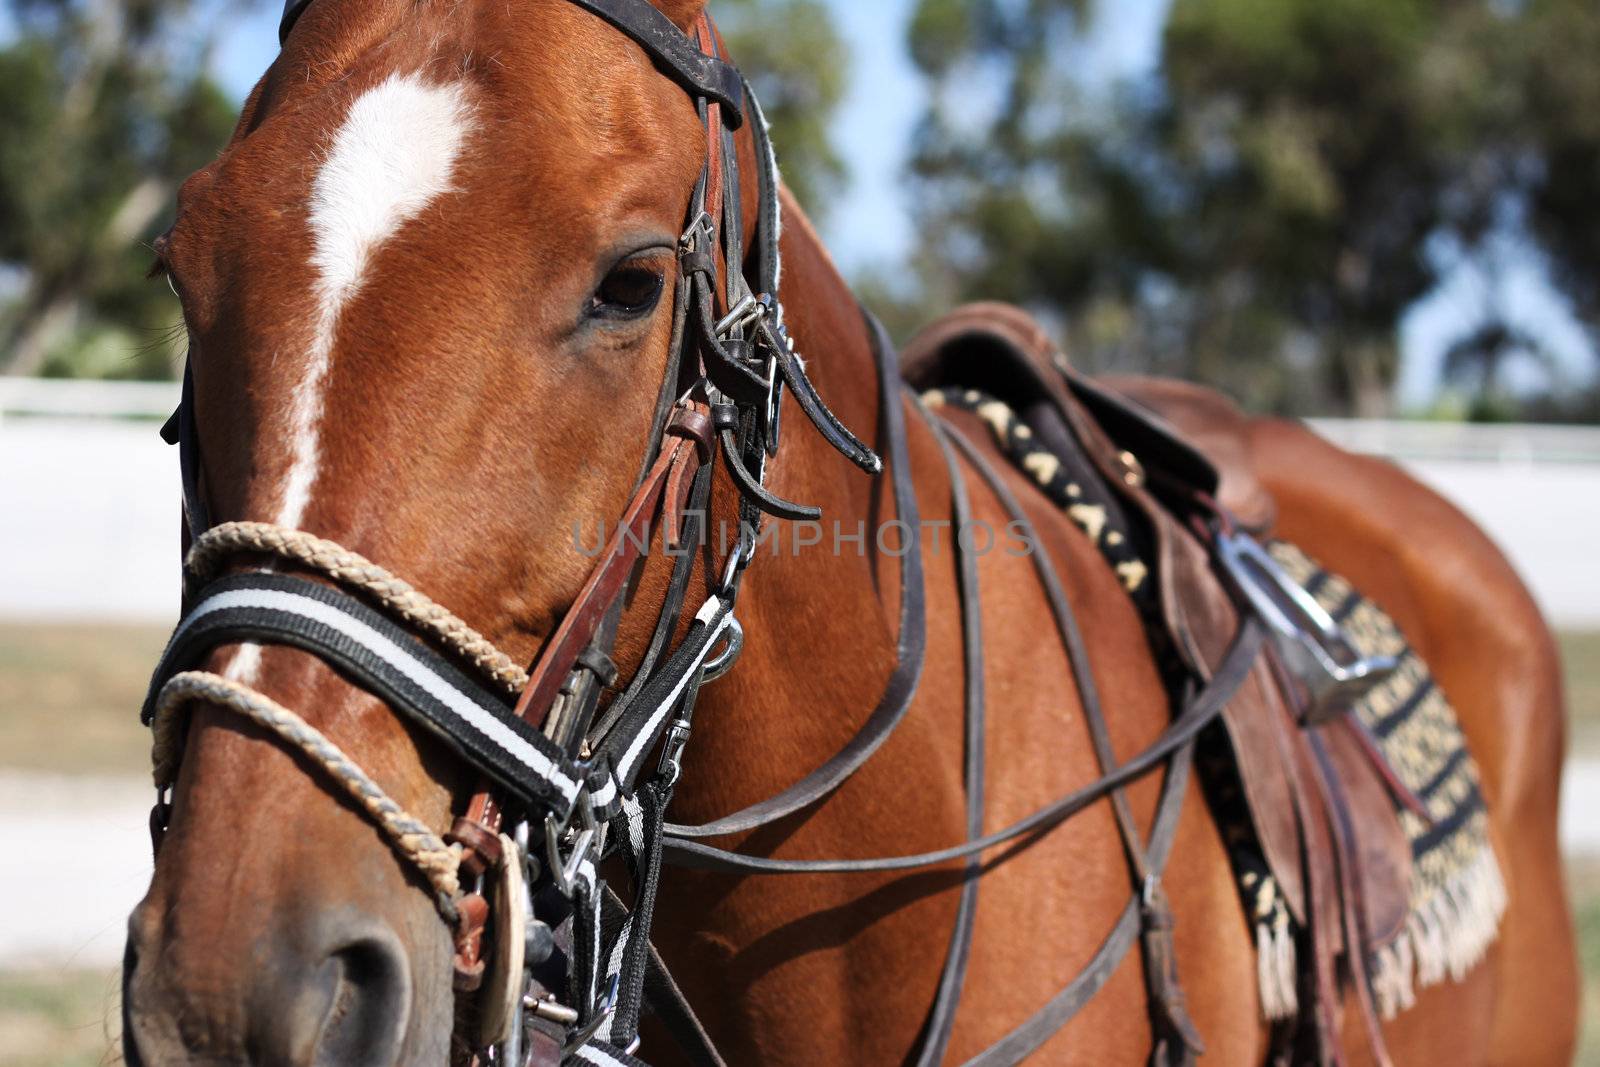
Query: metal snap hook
[[718, 665], [564, 870]]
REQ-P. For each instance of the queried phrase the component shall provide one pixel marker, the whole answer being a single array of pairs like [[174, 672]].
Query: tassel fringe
[[1444, 938], [1276, 970]]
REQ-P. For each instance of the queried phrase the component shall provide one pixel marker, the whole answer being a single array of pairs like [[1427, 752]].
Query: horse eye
[[628, 291]]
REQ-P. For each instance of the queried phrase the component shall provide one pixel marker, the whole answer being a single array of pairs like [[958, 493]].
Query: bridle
[[564, 783]]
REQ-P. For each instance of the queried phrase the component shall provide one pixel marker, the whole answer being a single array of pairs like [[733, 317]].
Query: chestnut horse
[[429, 288]]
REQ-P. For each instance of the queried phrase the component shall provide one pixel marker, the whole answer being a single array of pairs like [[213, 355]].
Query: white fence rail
[[89, 499], [1464, 441], [59, 398]]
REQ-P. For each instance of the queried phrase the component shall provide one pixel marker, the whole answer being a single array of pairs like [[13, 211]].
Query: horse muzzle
[[334, 988]]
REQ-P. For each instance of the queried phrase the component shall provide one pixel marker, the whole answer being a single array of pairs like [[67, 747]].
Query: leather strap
[[609, 576], [181, 430], [669, 47], [1031, 1035], [1178, 1038], [912, 644], [942, 1016], [1200, 713]]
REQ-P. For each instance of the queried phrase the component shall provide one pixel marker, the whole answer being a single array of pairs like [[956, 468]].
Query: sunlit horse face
[[429, 290]]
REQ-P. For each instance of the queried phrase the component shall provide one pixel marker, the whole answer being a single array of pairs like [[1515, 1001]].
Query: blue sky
[[870, 224]]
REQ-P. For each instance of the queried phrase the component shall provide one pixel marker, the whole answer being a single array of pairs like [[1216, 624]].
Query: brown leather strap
[[622, 551], [706, 37]]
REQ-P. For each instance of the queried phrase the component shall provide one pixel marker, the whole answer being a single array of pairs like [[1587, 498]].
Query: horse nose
[[336, 993], [345, 1005]]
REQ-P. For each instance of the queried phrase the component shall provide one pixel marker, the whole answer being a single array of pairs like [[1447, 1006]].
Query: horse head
[[433, 294]]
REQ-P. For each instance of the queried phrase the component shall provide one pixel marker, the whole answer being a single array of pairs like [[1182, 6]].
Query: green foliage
[[107, 108], [1259, 216], [799, 66]]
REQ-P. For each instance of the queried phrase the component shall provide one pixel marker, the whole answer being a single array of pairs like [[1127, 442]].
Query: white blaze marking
[[244, 665], [392, 156]]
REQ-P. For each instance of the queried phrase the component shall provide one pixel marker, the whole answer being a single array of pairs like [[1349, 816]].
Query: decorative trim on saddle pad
[[1457, 894], [1082, 499]]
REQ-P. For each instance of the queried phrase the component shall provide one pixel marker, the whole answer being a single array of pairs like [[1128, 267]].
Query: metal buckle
[[745, 312], [701, 223], [1314, 646]]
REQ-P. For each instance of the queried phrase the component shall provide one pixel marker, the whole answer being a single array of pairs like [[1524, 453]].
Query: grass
[[1580, 656], [1583, 876], [58, 1018], [71, 695]]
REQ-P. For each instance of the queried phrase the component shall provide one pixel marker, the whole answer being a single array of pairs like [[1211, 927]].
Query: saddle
[[1172, 462]]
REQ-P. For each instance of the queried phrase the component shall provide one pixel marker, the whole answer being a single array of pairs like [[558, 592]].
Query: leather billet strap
[[385, 659], [700, 75]]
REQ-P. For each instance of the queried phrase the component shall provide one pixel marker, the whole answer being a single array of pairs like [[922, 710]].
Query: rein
[[564, 784]]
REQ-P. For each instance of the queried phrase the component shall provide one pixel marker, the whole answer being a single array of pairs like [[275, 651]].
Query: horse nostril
[[366, 1019]]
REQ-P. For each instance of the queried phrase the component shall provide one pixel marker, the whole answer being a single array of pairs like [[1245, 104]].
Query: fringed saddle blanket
[[1457, 896]]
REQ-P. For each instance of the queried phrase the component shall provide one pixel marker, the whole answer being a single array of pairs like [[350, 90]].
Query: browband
[[671, 49]]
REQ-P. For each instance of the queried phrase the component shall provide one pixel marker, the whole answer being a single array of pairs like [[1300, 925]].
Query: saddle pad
[[1457, 895]]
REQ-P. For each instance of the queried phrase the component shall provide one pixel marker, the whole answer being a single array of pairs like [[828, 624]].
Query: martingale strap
[[386, 660]]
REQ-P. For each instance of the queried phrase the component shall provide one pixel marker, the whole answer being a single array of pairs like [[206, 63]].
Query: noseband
[[558, 962]]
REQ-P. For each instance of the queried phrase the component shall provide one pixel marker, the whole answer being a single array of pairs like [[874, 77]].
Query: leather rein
[[561, 967]]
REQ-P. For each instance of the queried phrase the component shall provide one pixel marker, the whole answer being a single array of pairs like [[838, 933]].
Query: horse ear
[[681, 12]]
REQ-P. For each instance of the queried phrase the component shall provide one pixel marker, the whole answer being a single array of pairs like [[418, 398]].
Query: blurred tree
[[1258, 218], [800, 68], [107, 107], [1563, 136]]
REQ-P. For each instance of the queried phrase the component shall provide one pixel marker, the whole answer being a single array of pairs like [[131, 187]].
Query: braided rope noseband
[[438, 862], [411, 838], [355, 571]]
